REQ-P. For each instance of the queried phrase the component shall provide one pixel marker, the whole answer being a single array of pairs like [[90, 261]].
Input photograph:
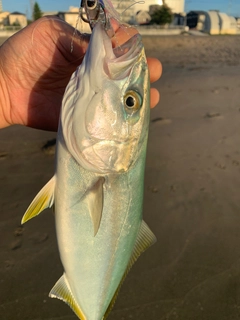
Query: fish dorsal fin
[[62, 291], [145, 239], [94, 198], [43, 200]]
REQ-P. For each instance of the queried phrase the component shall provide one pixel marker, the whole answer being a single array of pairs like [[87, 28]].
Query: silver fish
[[97, 189]]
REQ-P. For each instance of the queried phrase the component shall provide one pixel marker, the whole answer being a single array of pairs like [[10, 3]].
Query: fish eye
[[132, 101], [91, 4]]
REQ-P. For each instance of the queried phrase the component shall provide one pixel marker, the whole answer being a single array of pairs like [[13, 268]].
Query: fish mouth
[[124, 37], [122, 51], [124, 48], [126, 42]]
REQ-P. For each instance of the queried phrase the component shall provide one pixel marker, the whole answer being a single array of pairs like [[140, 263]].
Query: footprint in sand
[[210, 115], [220, 165], [39, 237], [235, 163], [17, 242], [3, 155], [18, 231], [9, 264], [161, 120]]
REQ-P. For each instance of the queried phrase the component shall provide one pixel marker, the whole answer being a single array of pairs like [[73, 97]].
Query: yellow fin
[[94, 198], [62, 291], [145, 239], [43, 200]]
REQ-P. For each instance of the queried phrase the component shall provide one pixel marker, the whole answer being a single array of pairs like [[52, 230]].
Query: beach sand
[[191, 201]]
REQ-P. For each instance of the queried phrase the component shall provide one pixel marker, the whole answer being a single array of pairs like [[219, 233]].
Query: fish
[[97, 189]]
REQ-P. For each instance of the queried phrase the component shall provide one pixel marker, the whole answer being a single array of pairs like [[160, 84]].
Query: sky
[[227, 6]]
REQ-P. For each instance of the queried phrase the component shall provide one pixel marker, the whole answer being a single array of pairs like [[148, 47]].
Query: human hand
[[35, 67]]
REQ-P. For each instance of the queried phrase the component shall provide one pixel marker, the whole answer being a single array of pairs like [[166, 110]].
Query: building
[[126, 9], [72, 18], [212, 22], [3, 18], [142, 17], [153, 8], [238, 22], [177, 6], [17, 19], [204, 21], [178, 19], [228, 24]]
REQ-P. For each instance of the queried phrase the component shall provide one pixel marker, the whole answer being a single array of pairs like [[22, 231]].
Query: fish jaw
[[93, 112]]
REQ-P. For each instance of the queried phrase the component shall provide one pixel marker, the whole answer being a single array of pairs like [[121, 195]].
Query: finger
[[154, 97], [155, 69], [72, 43]]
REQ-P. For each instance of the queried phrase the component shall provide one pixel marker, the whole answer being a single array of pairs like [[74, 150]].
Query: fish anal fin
[[43, 200], [145, 239], [62, 291], [94, 198]]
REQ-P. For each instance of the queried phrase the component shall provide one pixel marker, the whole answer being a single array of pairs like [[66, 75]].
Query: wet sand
[[191, 202]]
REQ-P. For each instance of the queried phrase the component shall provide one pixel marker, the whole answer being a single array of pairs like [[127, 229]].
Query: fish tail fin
[[43, 200], [145, 239], [62, 291]]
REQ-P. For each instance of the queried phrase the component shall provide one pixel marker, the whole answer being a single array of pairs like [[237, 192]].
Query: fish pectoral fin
[[62, 291], [94, 198], [145, 239], [43, 200]]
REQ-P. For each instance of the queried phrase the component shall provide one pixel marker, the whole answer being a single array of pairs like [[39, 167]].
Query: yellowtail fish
[[97, 189]]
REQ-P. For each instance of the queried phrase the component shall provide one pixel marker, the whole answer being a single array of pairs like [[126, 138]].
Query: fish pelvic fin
[[94, 198], [62, 291], [145, 239], [43, 200]]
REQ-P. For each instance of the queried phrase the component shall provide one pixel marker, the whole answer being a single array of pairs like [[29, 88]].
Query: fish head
[[105, 111]]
